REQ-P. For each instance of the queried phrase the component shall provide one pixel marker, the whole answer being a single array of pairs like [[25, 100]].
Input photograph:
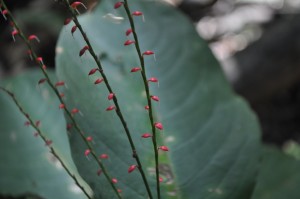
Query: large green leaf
[[212, 135], [278, 177], [27, 167]]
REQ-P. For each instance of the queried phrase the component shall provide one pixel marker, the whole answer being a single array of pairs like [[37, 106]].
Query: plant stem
[[52, 149], [115, 100], [90, 147], [143, 72]]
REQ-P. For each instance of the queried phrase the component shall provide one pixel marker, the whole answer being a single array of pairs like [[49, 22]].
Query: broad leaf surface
[[212, 134], [27, 167], [278, 176]]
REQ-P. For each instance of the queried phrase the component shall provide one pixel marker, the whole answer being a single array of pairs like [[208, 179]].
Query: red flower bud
[[152, 79], [146, 135], [74, 111], [164, 148], [93, 71], [148, 52], [110, 96], [147, 107], [155, 98], [131, 168], [161, 179], [118, 4], [128, 32], [119, 191], [60, 83], [110, 108], [82, 51], [87, 152], [4, 12], [128, 42], [67, 21], [114, 180], [33, 37], [158, 125], [137, 13], [38, 59], [74, 28], [103, 156], [75, 4], [135, 69], [61, 106], [89, 139], [98, 81], [14, 33], [42, 80]]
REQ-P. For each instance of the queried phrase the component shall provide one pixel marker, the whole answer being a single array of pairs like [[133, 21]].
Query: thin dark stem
[[115, 100], [45, 139], [90, 147], [143, 72]]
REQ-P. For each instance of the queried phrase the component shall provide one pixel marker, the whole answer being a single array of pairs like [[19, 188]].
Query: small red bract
[[155, 98], [48, 142], [119, 190], [110, 96], [148, 52], [75, 110], [103, 156], [164, 148], [128, 32], [87, 152], [110, 108], [75, 4], [146, 135], [158, 125], [37, 123], [82, 51], [99, 172], [61, 106], [131, 168], [42, 81], [98, 81], [38, 59], [60, 83], [27, 123], [135, 69], [147, 107], [118, 4], [137, 13], [67, 21], [89, 138], [93, 71], [74, 28], [69, 126], [128, 42], [114, 180], [33, 37], [153, 79], [161, 179]]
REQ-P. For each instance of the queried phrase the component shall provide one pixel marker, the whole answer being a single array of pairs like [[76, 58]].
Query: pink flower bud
[[44, 67], [161, 179], [114, 180], [27, 123], [39, 59], [75, 4], [33, 37], [164, 148], [128, 42], [155, 98], [74, 28], [103, 156], [158, 125], [14, 33], [118, 4], [74, 111], [82, 51], [60, 83], [93, 71], [98, 81], [61, 106], [42, 80], [135, 69], [89, 138], [153, 79], [110, 96], [87, 152], [128, 32], [131, 168], [99, 172], [137, 13], [110, 108], [67, 21], [119, 190], [147, 107], [4, 13], [148, 52], [146, 135]]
